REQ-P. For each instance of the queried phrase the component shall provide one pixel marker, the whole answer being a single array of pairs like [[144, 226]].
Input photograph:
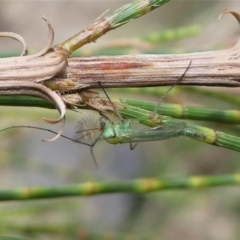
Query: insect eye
[[102, 125]]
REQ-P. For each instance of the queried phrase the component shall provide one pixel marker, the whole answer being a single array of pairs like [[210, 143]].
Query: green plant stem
[[191, 130], [137, 186], [101, 26], [24, 101], [188, 112], [173, 110], [172, 34], [223, 96]]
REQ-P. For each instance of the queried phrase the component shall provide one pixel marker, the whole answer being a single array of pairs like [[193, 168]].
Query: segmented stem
[[191, 130], [103, 25], [189, 112], [146, 185]]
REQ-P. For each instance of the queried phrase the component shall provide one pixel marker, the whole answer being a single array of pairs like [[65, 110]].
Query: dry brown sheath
[[216, 68]]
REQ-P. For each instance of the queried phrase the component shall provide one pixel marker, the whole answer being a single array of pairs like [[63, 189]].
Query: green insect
[[122, 132]]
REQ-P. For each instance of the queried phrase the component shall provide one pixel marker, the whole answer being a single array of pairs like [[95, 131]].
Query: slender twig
[[103, 25]]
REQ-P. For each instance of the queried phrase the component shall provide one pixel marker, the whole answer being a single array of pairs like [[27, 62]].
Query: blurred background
[[27, 161]]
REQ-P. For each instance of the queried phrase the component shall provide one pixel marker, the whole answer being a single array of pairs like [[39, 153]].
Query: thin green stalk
[[135, 9], [188, 112], [56, 229], [223, 96], [227, 97], [173, 110], [123, 15], [191, 130], [24, 101], [172, 34], [137, 186], [151, 91]]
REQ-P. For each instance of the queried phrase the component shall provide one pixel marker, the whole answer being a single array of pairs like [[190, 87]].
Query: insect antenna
[[51, 131], [166, 93], [115, 110]]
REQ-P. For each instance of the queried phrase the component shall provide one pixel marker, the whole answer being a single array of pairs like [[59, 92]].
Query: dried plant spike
[[37, 90], [60, 131], [37, 67], [101, 16], [18, 38], [235, 14], [49, 43], [42, 52], [39, 128], [57, 101]]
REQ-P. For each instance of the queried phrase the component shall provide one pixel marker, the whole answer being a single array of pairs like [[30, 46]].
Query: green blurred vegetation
[[175, 214]]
